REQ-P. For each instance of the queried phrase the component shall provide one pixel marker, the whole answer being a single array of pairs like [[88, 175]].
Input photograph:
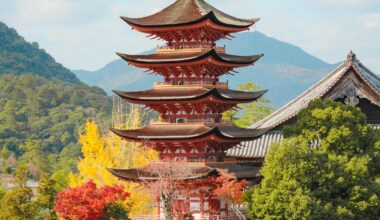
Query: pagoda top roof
[[320, 90], [166, 132], [190, 93], [171, 58], [185, 172], [187, 12]]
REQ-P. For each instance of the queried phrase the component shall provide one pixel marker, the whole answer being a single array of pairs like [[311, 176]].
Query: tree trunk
[[167, 207]]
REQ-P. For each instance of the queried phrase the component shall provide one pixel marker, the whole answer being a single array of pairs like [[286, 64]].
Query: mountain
[[286, 70], [17, 56], [43, 106]]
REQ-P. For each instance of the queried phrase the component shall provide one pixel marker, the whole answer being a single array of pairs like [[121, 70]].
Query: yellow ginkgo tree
[[102, 151]]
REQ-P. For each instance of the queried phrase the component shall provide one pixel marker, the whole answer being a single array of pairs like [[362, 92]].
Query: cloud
[[371, 20], [86, 33], [343, 3]]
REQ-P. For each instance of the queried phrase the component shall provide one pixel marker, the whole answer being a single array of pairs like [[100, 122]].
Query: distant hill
[[18, 56], [286, 70], [43, 105]]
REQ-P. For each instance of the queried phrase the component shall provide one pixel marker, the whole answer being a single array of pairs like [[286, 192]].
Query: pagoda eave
[[200, 95], [197, 25], [210, 57], [211, 19], [150, 173], [186, 133]]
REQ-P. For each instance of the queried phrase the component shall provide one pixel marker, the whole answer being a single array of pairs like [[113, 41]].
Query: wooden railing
[[190, 45], [192, 83], [213, 217]]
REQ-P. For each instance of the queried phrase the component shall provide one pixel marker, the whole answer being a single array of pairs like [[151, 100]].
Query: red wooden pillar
[[202, 205], [158, 206]]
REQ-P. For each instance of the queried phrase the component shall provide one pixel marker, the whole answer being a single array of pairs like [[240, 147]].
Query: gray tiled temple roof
[[319, 90], [259, 147]]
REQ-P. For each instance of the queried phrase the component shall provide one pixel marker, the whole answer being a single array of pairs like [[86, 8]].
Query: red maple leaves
[[87, 202], [230, 190]]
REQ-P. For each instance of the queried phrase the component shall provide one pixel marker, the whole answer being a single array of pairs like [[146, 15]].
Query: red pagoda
[[191, 100]]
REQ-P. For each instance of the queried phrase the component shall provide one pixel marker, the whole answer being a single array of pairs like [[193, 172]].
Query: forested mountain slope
[[18, 56]]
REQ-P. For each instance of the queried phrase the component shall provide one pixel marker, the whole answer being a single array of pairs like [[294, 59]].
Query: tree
[[47, 191], [327, 168], [102, 151], [251, 112], [231, 191], [169, 185], [115, 211], [17, 204], [87, 201]]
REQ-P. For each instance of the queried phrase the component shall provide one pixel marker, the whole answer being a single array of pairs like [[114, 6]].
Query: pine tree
[[47, 191], [17, 204]]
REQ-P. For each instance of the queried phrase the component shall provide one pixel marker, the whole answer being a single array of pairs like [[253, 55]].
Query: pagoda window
[[195, 206], [180, 151], [194, 159], [181, 120], [212, 159], [222, 205], [205, 206], [194, 151]]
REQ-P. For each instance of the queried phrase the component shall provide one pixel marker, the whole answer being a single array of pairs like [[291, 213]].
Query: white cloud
[[371, 20], [343, 3], [44, 10]]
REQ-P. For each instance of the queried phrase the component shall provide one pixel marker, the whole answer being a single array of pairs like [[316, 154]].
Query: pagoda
[[191, 100]]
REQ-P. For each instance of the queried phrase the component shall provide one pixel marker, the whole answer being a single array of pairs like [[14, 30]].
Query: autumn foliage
[[230, 190], [87, 202]]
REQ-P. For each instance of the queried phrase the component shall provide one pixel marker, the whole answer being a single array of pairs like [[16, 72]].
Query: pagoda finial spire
[[351, 57]]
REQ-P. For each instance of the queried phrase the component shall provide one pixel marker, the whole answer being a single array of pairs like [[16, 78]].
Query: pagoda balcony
[[210, 84], [183, 121], [190, 47]]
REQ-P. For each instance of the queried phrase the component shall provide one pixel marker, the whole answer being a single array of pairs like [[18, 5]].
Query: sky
[[84, 34]]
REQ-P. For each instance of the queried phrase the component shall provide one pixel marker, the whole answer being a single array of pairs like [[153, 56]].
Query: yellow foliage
[[109, 151]]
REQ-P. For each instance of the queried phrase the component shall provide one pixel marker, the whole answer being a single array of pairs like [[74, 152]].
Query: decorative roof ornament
[[351, 57]]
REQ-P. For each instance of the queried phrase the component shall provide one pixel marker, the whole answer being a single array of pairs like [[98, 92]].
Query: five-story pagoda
[[191, 99]]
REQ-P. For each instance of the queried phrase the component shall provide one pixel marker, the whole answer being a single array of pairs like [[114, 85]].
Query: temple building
[[190, 102], [351, 82]]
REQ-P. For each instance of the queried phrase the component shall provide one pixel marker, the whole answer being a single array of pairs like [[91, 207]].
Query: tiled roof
[[188, 132], [186, 94], [260, 147], [160, 58], [319, 90], [257, 148], [183, 12]]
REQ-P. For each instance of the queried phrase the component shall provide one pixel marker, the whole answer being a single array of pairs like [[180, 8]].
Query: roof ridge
[[329, 75]]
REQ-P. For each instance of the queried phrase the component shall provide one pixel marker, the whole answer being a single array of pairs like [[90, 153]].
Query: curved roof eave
[[223, 94], [227, 58], [209, 16]]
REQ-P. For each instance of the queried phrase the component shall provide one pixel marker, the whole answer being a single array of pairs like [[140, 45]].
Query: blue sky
[[84, 34]]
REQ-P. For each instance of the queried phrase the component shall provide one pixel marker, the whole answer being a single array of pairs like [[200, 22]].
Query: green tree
[[47, 191], [327, 168], [115, 211], [34, 155], [5, 153], [17, 204], [250, 112], [3, 191]]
